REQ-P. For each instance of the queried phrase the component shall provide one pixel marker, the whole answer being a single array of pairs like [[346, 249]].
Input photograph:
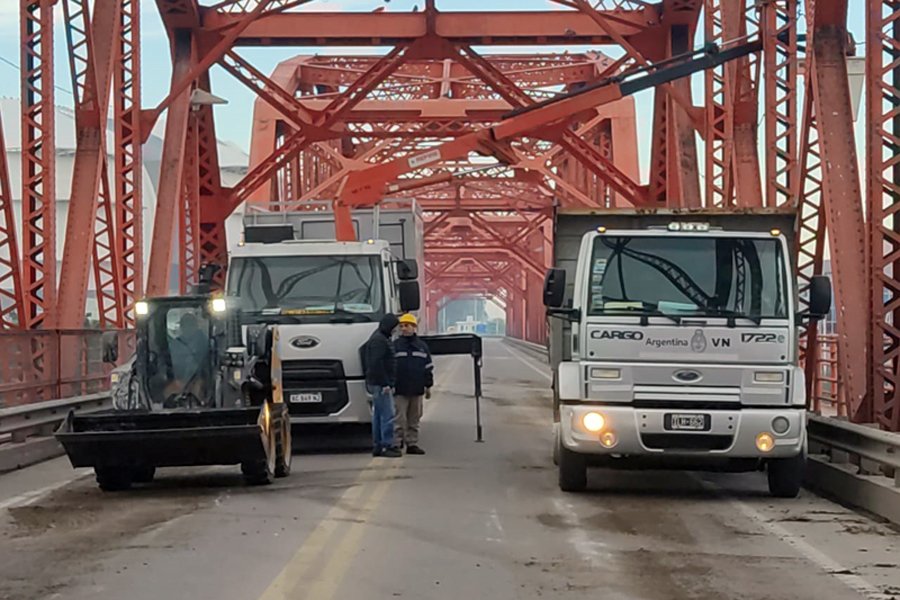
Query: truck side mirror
[[409, 295], [110, 343], [554, 288], [819, 297], [407, 270]]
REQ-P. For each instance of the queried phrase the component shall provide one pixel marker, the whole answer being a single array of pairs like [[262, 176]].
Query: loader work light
[[218, 305], [141, 308]]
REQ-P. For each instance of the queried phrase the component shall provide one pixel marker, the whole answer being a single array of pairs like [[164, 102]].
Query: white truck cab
[[327, 298], [683, 351]]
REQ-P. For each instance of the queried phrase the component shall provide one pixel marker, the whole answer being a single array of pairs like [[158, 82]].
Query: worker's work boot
[[413, 449], [376, 451], [391, 453]]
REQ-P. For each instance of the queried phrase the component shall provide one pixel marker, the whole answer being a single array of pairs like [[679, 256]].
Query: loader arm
[[366, 187]]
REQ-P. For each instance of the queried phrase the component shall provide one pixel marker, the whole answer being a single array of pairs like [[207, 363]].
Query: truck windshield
[[309, 286], [679, 275]]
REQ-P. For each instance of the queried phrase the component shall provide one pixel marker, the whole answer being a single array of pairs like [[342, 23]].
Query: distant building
[[233, 165]]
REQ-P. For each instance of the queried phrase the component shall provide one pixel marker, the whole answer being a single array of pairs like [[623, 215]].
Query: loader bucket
[[167, 438]]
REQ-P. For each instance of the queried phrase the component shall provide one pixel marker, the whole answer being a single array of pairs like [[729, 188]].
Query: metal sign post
[[462, 343]]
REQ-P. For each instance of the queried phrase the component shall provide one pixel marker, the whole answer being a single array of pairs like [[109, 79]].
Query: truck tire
[[284, 455], [144, 474], [113, 479], [572, 470], [786, 475]]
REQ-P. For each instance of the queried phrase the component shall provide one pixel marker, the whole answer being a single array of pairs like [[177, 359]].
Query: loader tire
[[262, 472], [113, 479], [284, 455], [144, 474]]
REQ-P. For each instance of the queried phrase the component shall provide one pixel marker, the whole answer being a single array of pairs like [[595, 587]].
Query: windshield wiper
[[258, 316], [342, 315], [732, 315], [646, 309]]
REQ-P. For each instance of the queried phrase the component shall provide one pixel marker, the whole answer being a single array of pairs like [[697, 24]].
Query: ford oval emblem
[[305, 342], [688, 376]]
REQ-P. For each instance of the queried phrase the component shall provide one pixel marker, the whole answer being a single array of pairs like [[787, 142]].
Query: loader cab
[[178, 341]]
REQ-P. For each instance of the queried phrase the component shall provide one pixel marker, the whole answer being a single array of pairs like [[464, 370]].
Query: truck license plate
[[307, 398], [687, 422]]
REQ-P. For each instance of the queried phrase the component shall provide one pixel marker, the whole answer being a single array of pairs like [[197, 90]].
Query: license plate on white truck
[[687, 422], [307, 398]]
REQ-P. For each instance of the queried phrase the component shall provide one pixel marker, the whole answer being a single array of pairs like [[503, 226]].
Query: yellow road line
[[332, 574], [293, 572], [287, 584]]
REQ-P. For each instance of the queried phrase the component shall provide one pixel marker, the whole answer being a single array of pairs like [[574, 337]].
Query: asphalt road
[[468, 520]]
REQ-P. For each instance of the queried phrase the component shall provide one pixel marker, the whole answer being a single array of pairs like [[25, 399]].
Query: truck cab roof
[[311, 248]]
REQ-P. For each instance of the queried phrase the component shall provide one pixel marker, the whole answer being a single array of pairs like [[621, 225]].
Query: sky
[[233, 120]]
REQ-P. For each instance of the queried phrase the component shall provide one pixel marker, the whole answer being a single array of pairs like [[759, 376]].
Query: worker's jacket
[[415, 370]]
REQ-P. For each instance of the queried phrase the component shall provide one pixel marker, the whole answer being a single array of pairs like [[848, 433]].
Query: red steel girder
[[128, 158], [882, 92], [90, 204], [827, 40], [555, 28], [11, 305], [301, 138], [38, 163], [780, 68]]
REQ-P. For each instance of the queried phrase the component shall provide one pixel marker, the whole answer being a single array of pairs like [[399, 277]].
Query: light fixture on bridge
[[201, 97]]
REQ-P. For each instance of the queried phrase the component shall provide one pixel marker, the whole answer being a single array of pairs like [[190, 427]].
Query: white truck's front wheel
[[786, 475], [572, 470]]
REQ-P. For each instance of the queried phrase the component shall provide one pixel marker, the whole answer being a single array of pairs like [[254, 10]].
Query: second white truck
[[327, 298]]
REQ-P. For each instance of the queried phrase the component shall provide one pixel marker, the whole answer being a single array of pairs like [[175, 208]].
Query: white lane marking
[[853, 581], [497, 527], [33, 496], [540, 370]]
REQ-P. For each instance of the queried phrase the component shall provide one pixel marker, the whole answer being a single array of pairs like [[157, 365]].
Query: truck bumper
[[357, 410], [643, 432]]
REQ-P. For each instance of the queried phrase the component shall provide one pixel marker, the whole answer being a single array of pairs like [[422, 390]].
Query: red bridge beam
[[537, 28]]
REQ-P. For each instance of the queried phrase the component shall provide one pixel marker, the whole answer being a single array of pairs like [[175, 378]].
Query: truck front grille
[[310, 376]]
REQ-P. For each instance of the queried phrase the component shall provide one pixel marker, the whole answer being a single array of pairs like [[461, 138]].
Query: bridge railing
[[37, 366]]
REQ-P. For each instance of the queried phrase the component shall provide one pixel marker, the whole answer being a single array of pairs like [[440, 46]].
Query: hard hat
[[409, 318]]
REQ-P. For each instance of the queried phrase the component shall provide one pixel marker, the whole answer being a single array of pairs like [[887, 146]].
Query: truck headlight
[[604, 373], [768, 376], [593, 421]]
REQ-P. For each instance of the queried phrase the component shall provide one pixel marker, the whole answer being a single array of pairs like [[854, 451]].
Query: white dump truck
[[327, 298], [674, 343]]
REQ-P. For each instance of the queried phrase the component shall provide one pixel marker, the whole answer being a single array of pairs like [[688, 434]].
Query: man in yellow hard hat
[[415, 376]]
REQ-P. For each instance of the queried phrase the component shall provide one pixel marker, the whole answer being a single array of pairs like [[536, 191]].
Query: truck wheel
[[113, 479], [284, 455], [572, 470], [786, 475], [144, 474]]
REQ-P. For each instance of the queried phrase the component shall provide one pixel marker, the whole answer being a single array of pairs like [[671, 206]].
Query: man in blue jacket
[[380, 368], [415, 376]]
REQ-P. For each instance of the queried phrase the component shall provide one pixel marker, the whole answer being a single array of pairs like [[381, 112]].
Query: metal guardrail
[[854, 464], [26, 432], [857, 464]]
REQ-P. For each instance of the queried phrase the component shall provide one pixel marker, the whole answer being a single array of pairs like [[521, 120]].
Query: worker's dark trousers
[[382, 418], [406, 421]]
